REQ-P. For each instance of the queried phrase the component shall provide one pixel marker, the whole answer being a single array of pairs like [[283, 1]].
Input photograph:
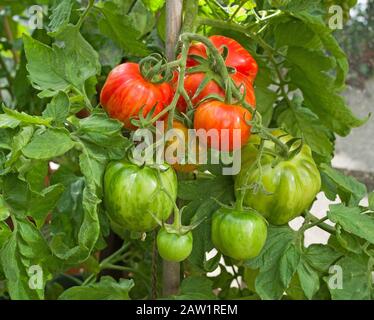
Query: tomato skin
[[218, 115], [293, 184], [172, 158], [126, 91], [174, 247], [132, 192], [192, 82], [237, 57], [240, 235]]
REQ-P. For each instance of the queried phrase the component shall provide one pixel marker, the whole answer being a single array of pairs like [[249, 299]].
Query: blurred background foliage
[[357, 40]]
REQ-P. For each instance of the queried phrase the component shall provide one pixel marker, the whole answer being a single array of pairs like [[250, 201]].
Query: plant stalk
[[171, 270]]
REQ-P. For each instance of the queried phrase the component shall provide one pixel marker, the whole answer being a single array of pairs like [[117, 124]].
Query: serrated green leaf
[[143, 20], [49, 144], [115, 26], [294, 5], [320, 257], [34, 172], [320, 93], [195, 288], [353, 221], [19, 141], [356, 279], [58, 108], [350, 191], [277, 262], [13, 118], [6, 137], [101, 130], [69, 62], [106, 289], [60, 15], [26, 248], [309, 279], [26, 202], [295, 33], [7, 121], [43, 203], [301, 122], [330, 43], [345, 241]]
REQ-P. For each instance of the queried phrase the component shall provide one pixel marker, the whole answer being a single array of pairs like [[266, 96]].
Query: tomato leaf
[[24, 255], [106, 289], [309, 279], [60, 15], [115, 26], [351, 280], [68, 63], [335, 183], [321, 257], [301, 122], [48, 144], [195, 287], [308, 72], [353, 221], [278, 261], [58, 108], [34, 204], [12, 119]]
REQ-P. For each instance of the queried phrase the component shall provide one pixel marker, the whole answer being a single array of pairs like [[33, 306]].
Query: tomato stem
[[220, 67], [284, 150], [315, 223], [321, 224], [85, 13]]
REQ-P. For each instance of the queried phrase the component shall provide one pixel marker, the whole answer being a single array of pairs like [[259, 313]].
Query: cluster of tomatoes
[[126, 92], [139, 198]]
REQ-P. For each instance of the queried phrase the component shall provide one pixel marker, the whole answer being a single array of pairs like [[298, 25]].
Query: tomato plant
[[84, 176]]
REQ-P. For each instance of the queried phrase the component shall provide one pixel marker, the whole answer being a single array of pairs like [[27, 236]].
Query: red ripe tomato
[[126, 91], [218, 115], [192, 82], [237, 57]]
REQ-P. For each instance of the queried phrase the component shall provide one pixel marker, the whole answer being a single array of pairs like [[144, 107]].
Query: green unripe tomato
[[291, 184], [238, 234], [174, 247], [132, 194]]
